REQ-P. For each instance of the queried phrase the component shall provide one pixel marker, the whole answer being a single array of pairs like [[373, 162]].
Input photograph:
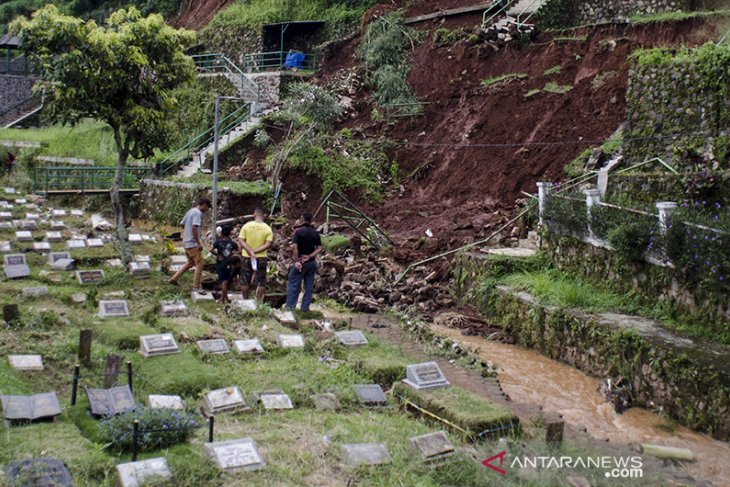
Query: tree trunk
[[119, 205]]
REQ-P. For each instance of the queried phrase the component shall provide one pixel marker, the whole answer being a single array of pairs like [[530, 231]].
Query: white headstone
[[214, 346], [178, 259], [222, 400], [26, 362], [135, 238], [157, 401], [206, 296], [63, 265], [32, 216], [9, 190], [76, 244], [290, 340], [24, 236], [54, 256], [114, 263], [351, 338], [160, 344], [58, 225], [244, 304], [34, 292], [77, 213], [113, 309], [41, 246], [234, 455], [140, 269], [354, 455], [5, 246], [6, 216], [275, 400], [170, 309], [427, 375], [58, 213], [252, 346], [94, 242], [144, 472], [6, 225], [431, 446], [53, 237], [285, 317], [15, 266], [29, 225], [142, 258]]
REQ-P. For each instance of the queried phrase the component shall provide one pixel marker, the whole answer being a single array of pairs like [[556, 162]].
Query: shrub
[[117, 430], [313, 104], [443, 36], [630, 240]]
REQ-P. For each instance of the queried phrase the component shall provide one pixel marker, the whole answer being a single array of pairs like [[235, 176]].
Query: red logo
[[488, 462]]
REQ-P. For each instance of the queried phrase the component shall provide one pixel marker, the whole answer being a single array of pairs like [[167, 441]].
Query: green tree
[[122, 72]]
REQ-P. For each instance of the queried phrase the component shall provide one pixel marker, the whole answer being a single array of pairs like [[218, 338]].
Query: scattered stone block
[[42, 246], [431, 446], [34, 292], [29, 408], [427, 375], [76, 244], [235, 455], [274, 400], [113, 308], [110, 402], [351, 338], [90, 277], [370, 395], [326, 401], [26, 362], [355, 455], [15, 266], [145, 472], [45, 472], [24, 236], [170, 309], [285, 317], [157, 401], [224, 400], [214, 346], [160, 344], [53, 237], [293, 340], [251, 346]]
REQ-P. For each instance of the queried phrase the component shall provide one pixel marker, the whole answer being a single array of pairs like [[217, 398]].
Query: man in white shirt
[[192, 223]]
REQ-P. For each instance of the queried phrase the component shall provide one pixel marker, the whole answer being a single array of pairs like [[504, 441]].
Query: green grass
[[675, 16], [331, 243], [553, 87], [532, 93], [570, 38], [88, 140], [551, 71], [239, 188], [501, 78]]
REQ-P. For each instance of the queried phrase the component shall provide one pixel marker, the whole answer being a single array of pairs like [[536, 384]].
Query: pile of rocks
[[505, 30]]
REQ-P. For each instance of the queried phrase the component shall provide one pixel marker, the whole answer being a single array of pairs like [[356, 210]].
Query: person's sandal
[[173, 283], [200, 291]]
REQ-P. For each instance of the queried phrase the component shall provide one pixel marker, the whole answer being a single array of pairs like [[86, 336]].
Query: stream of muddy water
[[527, 376]]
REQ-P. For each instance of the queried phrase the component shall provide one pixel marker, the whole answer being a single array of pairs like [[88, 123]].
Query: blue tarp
[[294, 60]]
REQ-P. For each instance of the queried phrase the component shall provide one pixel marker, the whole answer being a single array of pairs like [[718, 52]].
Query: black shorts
[[247, 272], [223, 269]]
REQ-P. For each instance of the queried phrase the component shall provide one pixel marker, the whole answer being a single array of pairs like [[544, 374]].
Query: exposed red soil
[[457, 187], [194, 14]]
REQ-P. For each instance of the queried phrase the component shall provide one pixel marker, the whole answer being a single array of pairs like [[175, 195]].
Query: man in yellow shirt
[[256, 237]]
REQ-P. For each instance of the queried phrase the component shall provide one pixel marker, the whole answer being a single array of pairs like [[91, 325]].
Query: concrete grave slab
[[44, 472], [6, 216], [351, 338], [58, 225], [355, 455], [431, 446], [90, 276], [63, 265], [427, 375], [54, 256], [112, 401], [250, 346], [54, 236], [214, 346], [326, 401], [32, 216], [5, 246], [117, 308], [78, 298], [292, 340], [94, 243], [77, 213], [285, 317], [58, 213], [160, 344], [29, 225], [244, 304], [158, 401], [26, 362], [275, 400], [9, 190], [144, 472], [224, 400], [6, 225], [370, 395], [42, 246], [76, 244], [206, 296], [142, 258], [140, 269], [37, 406], [15, 266], [171, 309], [35, 292], [135, 238], [232, 455], [24, 236]]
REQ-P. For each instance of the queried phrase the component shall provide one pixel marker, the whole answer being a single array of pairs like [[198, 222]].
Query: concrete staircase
[[525, 7]]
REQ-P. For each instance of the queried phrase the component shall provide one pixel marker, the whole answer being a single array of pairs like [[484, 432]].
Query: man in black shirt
[[306, 245]]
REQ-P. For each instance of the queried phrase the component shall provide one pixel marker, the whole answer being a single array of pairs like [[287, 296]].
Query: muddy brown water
[[527, 376]]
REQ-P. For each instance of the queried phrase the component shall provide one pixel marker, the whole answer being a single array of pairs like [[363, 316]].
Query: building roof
[[10, 41]]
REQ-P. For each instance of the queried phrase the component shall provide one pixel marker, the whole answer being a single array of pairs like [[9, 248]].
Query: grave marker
[[6, 225], [113, 308], [94, 242], [214, 346], [9, 190], [351, 338], [114, 263], [135, 238], [144, 472], [44, 472], [206, 296], [57, 225], [285, 317], [32, 216], [370, 395], [293, 340], [354, 455], [77, 213], [171, 309], [37, 406], [427, 375], [326, 401], [21, 201], [24, 236], [63, 265], [274, 400], [78, 298], [76, 244], [140, 269], [54, 236], [58, 213], [142, 258], [244, 304], [160, 344], [29, 225], [15, 266], [90, 277], [178, 259], [41, 246], [234, 455], [110, 402], [34, 292], [56, 256], [224, 400], [4, 246], [251, 346], [157, 401], [431, 446], [6, 216], [26, 362]]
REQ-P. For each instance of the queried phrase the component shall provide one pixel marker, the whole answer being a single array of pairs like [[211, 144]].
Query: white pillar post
[[665, 210], [593, 197], [543, 191]]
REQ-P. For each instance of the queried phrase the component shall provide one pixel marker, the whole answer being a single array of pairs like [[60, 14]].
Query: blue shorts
[[223, 269]]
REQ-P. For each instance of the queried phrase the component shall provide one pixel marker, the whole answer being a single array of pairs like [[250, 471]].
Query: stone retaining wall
[[592, 11], [14, 89]]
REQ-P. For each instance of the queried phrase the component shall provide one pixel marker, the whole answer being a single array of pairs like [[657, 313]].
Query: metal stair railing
[[218, 63], [262, 61], [81, 179], [488, 20], [185, 153], [522, 21]]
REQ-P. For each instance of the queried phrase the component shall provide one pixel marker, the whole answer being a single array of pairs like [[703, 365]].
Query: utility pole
[[215, 167]]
